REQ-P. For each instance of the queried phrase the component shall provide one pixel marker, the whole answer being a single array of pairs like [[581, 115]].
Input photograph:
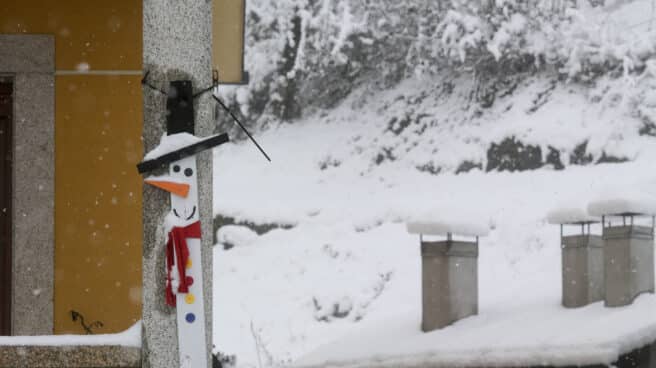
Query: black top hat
[[190, 150]]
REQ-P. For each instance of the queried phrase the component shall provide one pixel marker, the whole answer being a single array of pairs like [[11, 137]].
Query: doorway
[[6, 179]]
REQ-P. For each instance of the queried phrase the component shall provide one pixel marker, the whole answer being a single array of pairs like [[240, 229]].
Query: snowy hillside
[[348, 256], [313, 245]]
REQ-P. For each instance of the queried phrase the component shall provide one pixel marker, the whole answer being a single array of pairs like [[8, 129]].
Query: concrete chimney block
[[582, 270], [582, 266], [628, 262], [449, 282]]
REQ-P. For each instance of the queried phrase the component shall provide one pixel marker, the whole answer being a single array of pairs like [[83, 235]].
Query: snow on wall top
[[518, 335], [570, 215], [171, 143], [130, 337], [627, 204], [444, 227]]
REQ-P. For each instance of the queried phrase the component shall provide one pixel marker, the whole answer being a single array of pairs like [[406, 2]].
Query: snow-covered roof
[[526, 335], [571, 215], [444, 227], [629, 204]]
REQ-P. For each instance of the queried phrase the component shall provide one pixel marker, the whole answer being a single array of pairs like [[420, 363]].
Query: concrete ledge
[[70, 356], [27, 53]]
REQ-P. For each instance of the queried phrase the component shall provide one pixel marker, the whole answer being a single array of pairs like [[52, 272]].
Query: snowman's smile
[[193, 212]]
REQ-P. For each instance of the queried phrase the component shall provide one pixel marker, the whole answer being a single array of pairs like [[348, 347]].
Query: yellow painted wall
[[104, 34], [98, 201], [228, 39], [98, 124]]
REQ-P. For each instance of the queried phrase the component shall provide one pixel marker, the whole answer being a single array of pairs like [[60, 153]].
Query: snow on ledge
[[443, 228], [130, 338], [644, 205], [171, 143], [571, 215]]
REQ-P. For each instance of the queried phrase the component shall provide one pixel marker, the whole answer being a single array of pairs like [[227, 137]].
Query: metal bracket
[[213, 87], [180, 108], [144, 82]]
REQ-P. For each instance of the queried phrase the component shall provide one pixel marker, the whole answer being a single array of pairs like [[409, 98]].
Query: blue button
[[190, 317]]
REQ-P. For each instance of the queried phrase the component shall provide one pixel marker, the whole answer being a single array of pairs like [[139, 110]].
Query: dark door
[[6, 144]]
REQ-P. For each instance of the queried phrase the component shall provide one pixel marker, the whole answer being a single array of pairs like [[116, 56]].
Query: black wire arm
[[87, 328], [215, 84], [144, 81], [241, 126]]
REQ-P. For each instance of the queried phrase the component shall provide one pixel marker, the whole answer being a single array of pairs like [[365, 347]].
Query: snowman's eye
[[176, 168], [189, 172]]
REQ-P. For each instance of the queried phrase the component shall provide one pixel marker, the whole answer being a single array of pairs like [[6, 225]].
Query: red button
[[190, 280]]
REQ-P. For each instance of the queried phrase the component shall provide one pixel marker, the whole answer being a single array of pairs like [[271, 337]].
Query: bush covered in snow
[[445, 85], [305, 55]]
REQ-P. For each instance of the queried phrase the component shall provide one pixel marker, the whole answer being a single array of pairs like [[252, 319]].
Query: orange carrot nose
[[180, 189]]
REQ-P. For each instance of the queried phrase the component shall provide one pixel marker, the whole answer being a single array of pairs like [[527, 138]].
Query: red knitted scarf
[[177, 253]]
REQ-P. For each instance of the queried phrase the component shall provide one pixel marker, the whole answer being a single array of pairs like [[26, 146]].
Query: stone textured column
[[176, 45], [449, 282], [582, 270], [30, 61], [628, 262]]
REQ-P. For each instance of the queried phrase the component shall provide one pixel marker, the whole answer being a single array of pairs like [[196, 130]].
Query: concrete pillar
[[449, 282], [582, 270], [176, 45], [628, 263]]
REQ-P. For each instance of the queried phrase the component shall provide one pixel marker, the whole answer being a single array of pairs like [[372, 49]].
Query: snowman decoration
[[184, 277], [177, 151]]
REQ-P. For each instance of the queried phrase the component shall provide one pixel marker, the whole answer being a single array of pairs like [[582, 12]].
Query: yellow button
[[188, 263], [189, 298]]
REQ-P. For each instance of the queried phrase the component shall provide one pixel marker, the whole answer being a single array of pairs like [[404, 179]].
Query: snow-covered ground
[[349, 262], [348, 179]]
